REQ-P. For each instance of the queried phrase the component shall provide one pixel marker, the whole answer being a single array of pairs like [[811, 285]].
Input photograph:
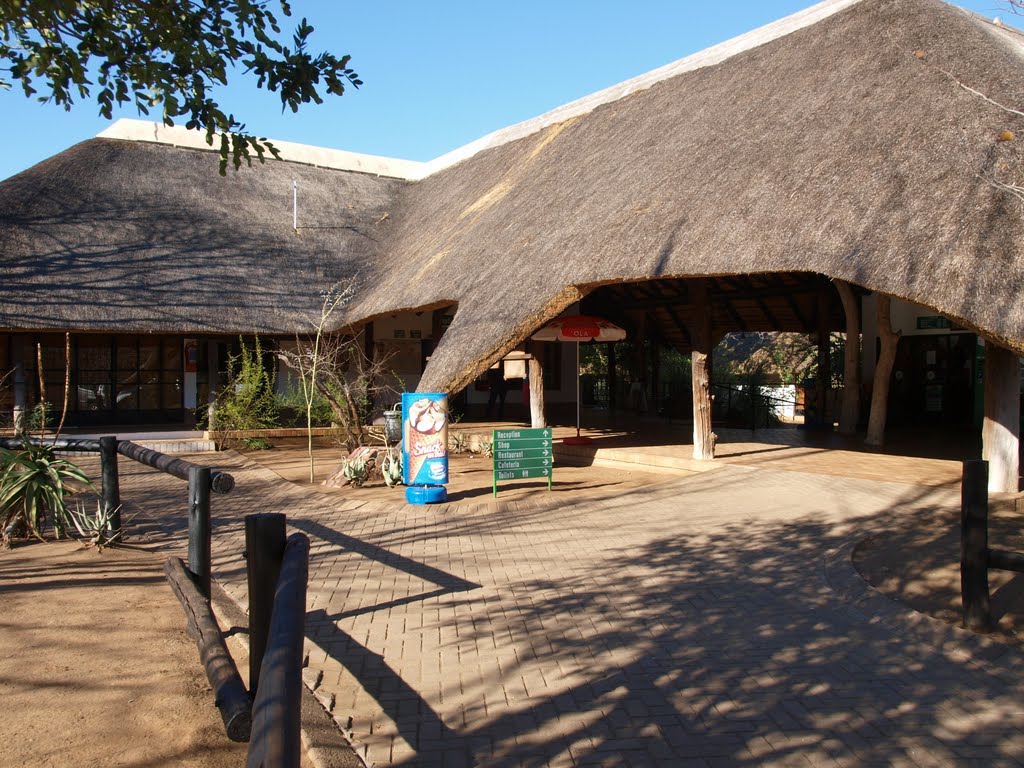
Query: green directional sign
[[520, 454]]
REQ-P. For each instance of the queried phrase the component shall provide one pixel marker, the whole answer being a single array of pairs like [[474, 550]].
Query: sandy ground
[[95, 667]]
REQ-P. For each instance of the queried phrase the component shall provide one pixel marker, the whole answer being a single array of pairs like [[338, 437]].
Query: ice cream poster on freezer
[[424, 438]]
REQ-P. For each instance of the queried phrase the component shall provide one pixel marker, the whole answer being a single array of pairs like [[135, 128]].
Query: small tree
[[334, 365]]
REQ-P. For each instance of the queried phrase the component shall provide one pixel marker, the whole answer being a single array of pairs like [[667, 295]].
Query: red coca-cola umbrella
[[579, 328]]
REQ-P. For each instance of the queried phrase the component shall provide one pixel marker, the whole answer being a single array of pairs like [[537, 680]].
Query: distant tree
[[169, 55]]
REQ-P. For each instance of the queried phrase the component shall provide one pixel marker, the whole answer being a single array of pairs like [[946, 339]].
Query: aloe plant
[[391, 467], [356, 471], [94, 529], [35, 481]]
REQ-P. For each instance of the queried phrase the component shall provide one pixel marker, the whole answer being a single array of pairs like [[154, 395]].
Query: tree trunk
[[849, 413], [536, 392], [700, 357], [883, 374], [1000, 434]]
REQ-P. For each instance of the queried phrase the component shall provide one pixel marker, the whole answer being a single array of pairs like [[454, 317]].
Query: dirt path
[[95, 666]]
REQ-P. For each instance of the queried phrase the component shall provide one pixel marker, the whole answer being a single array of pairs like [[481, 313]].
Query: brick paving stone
[[703, 621]]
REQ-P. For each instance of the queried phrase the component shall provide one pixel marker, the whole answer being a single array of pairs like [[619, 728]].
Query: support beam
[[1000, 432], [20, 389], [849, 413], [703, 437], [679, 323], [823, 380], [536, 376], [883, 374], [613, 377], [768, 314], [212, 383]]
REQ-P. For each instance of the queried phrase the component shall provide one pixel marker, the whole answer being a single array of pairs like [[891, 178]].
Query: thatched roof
[[831, 150], [131, 236]]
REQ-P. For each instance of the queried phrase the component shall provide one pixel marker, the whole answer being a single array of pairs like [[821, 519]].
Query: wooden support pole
[[276, 734], [613, 377], [1000, 432], [20, 415], [264, 549], [536, 376], [212, 382], [199, 533], [849, 413], [229, 692], [974, 547], [111, 484], [883, 373], [700, 332], [656, 375], [823, 380]]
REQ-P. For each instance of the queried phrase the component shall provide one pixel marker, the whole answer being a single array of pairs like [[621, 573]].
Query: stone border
[[867, 604]]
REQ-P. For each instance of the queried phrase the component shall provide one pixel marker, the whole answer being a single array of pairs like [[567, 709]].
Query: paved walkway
[[710, 620]]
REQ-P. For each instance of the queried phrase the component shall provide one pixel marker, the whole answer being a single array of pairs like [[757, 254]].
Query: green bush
[[292, 409], [247, 401]]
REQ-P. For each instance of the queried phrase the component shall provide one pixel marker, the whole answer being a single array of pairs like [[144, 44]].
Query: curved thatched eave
[[131, 236], [832, 150]]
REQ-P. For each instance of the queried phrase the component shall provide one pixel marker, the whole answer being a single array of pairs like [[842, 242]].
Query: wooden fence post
[[111, 484], [974, 546], [199, 527], [276, 740], [264, 549]]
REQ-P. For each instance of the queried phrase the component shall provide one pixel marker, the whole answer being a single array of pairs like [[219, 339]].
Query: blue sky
[[439, 75]]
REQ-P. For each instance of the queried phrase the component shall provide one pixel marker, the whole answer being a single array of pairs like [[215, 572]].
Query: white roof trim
[[139, 130], [179, 136]]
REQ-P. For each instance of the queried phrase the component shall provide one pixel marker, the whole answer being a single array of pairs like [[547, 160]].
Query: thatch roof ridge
[[831, 150], [126, 129]]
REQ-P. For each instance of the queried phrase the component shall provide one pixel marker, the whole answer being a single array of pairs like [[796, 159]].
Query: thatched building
[[873, 142]]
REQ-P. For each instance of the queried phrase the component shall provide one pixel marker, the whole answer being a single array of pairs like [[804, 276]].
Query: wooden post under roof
[[883, 373], [212, 382], [613, 379], [536, 375], [849, 413], [655, 374], [20, 389], [1000, 432], [436, 327], [823, 380], [700, 332]]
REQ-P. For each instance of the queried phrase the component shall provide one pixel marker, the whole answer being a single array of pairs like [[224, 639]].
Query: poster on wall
[[424, 438]]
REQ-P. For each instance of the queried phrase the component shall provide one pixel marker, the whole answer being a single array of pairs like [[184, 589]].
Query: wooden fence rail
[[201, 481], [229, 691]]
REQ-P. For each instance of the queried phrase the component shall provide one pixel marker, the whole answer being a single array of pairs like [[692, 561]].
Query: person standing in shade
[[498, 390]]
